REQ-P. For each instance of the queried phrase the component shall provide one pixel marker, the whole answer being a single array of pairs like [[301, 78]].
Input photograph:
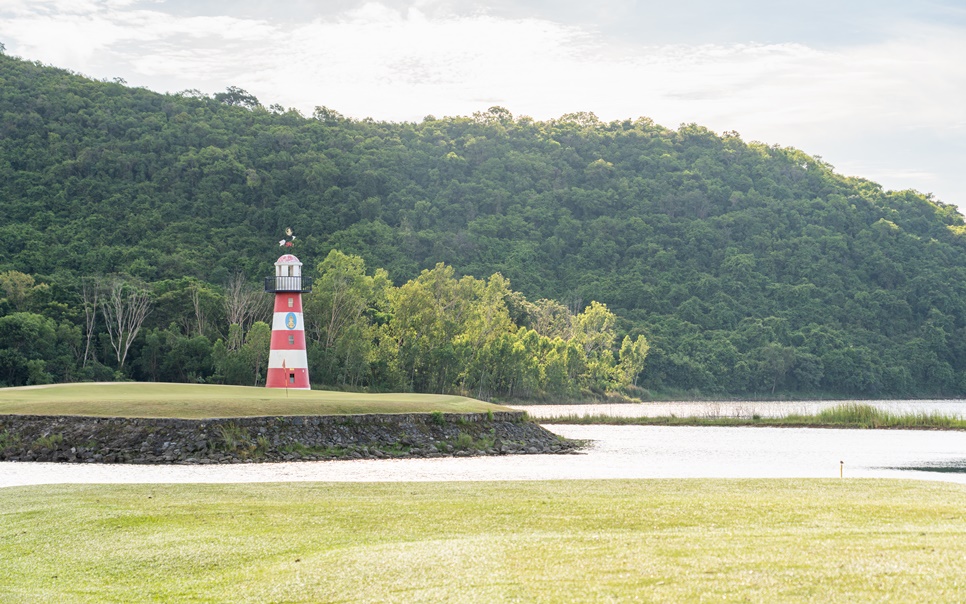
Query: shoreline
[[141, 440], [731, 422]]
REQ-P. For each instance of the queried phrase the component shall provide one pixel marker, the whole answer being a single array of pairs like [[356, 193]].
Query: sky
[[874, 87]]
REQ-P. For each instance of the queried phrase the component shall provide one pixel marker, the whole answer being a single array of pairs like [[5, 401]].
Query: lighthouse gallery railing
[[288, 284]]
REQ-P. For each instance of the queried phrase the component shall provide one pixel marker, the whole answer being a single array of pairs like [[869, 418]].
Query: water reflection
[[615, 452], [953, 467], [706, 452]]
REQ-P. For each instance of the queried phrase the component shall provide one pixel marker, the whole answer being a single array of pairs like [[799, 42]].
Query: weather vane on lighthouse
[[288, 365]]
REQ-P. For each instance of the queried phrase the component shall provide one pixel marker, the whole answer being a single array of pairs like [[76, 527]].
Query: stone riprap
[[79, 439]]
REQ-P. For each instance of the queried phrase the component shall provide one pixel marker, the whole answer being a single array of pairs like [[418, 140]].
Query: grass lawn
[[201, 401], [554, 541]]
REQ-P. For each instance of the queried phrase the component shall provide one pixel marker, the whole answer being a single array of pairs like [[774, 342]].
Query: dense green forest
[[748, 269]]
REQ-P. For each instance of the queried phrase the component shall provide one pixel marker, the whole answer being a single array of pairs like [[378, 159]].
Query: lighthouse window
[[291, 378], [290, 269], [291, 340], [291, 301]]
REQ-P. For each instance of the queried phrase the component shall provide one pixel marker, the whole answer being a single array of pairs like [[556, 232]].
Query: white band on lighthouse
[[293, 359]]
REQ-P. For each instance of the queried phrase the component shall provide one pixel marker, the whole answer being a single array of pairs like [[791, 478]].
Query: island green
[[201, 401]]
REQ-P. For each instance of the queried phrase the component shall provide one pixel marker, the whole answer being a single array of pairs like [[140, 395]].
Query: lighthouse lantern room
[[288, 365]]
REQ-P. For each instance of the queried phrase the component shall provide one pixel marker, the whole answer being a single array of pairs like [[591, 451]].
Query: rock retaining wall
[[246, 439]]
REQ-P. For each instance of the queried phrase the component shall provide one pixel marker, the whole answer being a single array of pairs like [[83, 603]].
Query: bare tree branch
[[244, 304], [90, 295], [125, 307], [201, 319]]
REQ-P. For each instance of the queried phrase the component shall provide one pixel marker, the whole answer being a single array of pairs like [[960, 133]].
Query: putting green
[[200, 401]]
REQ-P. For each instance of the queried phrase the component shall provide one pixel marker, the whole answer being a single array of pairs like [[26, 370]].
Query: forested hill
[[750, 268]]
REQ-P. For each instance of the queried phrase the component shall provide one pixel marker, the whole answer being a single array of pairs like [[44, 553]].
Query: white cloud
[[380, 62], [445, 63], [88, 35]]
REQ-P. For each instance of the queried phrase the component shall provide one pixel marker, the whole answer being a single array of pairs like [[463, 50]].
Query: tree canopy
[[747, 268]]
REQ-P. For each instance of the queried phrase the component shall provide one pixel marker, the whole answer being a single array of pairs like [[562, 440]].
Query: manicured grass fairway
[[199, 401], [556, 541]]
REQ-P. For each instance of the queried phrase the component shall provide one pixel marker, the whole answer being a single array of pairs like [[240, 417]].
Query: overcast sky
[[877, 88]]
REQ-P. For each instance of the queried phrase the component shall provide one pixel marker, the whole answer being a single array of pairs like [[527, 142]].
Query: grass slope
[[648, 540], [200, 401]]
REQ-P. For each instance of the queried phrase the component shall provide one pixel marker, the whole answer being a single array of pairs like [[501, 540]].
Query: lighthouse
[[288, 365]]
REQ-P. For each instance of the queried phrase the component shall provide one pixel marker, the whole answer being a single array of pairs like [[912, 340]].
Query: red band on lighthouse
[[290, 302]]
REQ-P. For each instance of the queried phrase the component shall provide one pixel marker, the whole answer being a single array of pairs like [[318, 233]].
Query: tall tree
[[256, 350], [340, 315], [125, 307], [20, 289], [427, 315], [633, 354], [594, 332]]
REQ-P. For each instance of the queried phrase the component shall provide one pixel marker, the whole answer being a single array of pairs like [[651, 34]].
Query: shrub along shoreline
[[849, 415]]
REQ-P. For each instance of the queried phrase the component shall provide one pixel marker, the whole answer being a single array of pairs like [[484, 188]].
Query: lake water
[[615, 452], [741, 409]]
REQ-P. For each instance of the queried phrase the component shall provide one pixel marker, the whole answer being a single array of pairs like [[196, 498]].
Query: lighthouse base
[[293, 379]]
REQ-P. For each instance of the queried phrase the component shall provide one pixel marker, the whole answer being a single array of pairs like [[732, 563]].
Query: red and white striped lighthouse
[[288, 365]]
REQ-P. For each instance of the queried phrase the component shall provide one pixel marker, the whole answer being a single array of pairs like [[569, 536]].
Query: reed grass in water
[[871, 417], [848, 415]]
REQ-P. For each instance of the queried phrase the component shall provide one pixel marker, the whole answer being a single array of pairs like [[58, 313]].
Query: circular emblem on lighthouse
[[290, 320]]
